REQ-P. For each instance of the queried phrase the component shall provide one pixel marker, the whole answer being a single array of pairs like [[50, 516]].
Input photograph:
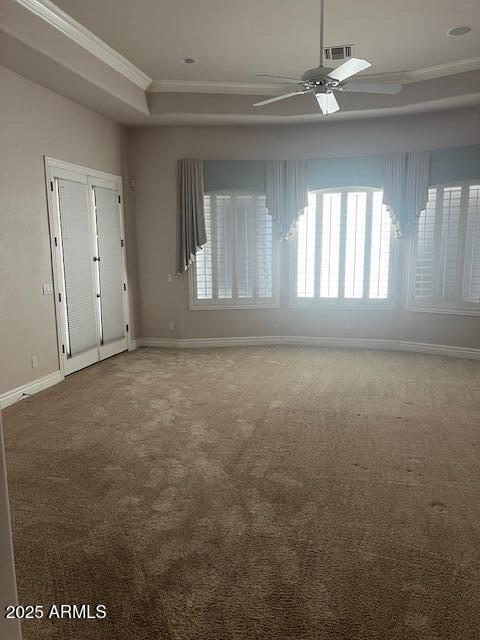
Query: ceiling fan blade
[[373, 87], [284, 79], [327, 103], [276, 98], [348, 69]]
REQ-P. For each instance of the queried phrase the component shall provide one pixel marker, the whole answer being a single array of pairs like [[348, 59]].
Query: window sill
[[389, 305], [232, 307], [456, 312]]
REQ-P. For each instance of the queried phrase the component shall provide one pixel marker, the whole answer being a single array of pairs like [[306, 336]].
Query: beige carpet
[[257, 493]]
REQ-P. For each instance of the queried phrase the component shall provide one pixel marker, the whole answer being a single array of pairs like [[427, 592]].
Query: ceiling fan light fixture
[[459, 31]]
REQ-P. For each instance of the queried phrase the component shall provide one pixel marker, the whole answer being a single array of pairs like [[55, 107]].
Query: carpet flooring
[[252, 493]]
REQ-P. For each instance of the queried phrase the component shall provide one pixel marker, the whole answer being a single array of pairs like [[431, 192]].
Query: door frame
[[53, 167]]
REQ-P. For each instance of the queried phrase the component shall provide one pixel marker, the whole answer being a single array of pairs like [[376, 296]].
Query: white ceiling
[[235, 39]]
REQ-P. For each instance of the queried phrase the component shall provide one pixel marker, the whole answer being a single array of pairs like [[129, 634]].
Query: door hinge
[[56, 243], [95, 259], [121, 243], [124, 286], [59, 296], [119, 199], [126, 326], [51, 185], [63, 348]]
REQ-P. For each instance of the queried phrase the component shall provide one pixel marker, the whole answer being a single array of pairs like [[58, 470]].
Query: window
[[237, 266], [446, 251], [343, 249]]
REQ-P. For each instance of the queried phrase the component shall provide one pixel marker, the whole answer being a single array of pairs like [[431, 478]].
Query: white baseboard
[[200, 343], [339, 343], [132, 345], [10, 397]]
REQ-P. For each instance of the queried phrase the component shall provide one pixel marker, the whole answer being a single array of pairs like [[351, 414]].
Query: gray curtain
[[191, 235], [286, 186], [405, 191]]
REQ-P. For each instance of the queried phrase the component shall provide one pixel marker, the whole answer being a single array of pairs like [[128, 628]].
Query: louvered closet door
[[80, 328], [113, 336]]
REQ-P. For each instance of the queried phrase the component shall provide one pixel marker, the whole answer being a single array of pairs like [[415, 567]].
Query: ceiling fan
[[323, 81]]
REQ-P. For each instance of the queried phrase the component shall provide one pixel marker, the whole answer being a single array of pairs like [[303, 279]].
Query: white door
[[111, 286], [78, 298], [89, 265]]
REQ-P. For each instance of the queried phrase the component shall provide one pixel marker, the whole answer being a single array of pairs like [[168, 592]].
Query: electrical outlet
[[170, 277], [34, 362], [171, 326], [47, 289]]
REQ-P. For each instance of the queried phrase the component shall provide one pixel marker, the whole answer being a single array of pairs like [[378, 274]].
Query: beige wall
[[154, 152], [35, 122]]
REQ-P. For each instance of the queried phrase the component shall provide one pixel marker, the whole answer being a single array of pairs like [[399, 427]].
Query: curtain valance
[[405, 189], [286, 188], [404, 177], [191, 235], [225, 175]]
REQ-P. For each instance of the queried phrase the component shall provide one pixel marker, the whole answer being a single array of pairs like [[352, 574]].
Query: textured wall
[[154, 152], [35, 122]]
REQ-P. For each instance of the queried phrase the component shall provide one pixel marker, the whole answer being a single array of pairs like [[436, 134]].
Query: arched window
[[445, 264], [343, 253]]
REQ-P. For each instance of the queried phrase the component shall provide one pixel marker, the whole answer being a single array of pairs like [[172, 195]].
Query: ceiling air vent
[[338, 53]]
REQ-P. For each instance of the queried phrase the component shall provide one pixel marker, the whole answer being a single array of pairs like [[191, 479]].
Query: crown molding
[[445, 69], [55, 17], [205, 86], [256, 88]]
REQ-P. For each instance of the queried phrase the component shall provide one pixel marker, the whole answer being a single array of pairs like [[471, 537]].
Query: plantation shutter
[[471, 286], [343, 248], [446, 268], [235, 265]]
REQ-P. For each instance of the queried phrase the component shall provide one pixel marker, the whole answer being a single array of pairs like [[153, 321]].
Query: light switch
[[47, 289]]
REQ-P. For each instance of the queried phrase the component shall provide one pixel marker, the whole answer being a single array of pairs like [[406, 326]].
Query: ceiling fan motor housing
[[318, 77]]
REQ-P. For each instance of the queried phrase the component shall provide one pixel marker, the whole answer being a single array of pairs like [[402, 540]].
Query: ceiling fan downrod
[[322, 31]]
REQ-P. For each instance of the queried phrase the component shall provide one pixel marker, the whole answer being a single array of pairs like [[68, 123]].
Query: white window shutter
[[224, 245], [423, 286], [343, 249], [244, 245], [330, 244], [446, 267], [380, 249], [471, 280], [264, 237], [236, 266], [203, 260], [448, 259], [306, 240], [355, 244]]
